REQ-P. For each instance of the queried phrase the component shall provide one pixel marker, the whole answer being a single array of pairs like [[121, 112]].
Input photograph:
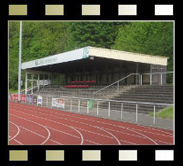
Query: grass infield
[[166, 113]]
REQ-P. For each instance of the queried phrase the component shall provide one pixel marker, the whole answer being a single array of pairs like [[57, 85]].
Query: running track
[[34, 125]]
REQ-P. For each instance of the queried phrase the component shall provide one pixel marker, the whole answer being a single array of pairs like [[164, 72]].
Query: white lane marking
[[17, 131], [92, 126], [129, 142], [103, 122], [94, 133], [70, 126], [138, 136], [49, 134], [104, 130], [18, 141], [53, 122], [63, 132], [112, 136], [82, 139], [40, 135], [95, 143]]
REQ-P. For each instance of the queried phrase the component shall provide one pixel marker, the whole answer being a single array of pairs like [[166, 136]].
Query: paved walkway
[[130, 117]]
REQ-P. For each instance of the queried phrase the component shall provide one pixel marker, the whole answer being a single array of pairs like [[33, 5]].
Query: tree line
[[42, 39]]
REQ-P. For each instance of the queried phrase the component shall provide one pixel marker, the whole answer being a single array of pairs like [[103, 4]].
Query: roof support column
[[32, 83], [25, 82], [137, 70], [38, 81]]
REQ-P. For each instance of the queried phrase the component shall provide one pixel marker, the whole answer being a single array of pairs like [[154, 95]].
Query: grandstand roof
[[89, 52]]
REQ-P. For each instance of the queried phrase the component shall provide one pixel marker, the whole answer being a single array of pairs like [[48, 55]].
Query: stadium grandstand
[[101, 73]]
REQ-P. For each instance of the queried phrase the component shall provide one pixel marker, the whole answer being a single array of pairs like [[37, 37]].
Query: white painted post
[[19, 64], [109, 109], [32, 83], [71, 104], [79, 105], [154, 119], [26, 83], [121, 111], [87, 106], [97, 108], [136, 112], [38, 82], [150, 78], [161, 78], [118, 86]]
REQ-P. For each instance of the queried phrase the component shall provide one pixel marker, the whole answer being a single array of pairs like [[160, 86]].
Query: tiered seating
[[80, 84]]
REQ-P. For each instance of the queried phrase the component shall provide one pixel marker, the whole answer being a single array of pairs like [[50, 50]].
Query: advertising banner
[[14, 97], [39, 100], [23, 98], [58, 102], [29, 99], [35, 99]]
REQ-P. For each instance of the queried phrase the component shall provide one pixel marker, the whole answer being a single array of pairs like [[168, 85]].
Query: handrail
[[29, 88], [117, 101], [115, 82]]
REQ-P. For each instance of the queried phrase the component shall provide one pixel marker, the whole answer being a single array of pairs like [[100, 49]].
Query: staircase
[[145, 93]]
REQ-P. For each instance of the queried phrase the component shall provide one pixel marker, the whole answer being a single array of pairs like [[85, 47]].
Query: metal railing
[[110, 109], [118, 83], [161, 74]]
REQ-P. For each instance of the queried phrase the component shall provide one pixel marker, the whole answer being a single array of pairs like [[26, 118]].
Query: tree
[[39, 39], [155, 38], [99, 34]]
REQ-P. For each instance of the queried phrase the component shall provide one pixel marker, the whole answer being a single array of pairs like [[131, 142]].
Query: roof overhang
[[87, 52]]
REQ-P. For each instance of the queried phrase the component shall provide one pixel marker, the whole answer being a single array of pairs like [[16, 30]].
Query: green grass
[[166, 113], [13, 90]]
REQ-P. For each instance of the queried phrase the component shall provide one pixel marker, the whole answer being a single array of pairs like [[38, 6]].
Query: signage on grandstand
[[39, 100], [58, 102], [45, 61]]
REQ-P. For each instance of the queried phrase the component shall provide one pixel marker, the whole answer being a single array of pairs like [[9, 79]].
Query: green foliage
[[166, 113], [99, 34], [154, 38]]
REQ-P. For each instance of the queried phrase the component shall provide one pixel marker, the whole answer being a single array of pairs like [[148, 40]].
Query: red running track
[[34, 125]]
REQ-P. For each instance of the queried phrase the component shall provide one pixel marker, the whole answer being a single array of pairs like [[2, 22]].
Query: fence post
[[109, 109], [161, 78], [136, 112], [150, 78], [121, 111], [47, 101], [118, 86], [154, 119], [79, 105], [97, 108], [87, 106], [141, 79], [71, 104]]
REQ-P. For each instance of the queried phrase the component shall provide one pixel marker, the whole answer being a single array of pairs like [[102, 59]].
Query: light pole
[[19, 64]]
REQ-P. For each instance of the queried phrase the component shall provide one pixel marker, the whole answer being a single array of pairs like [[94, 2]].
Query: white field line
[[53, 122], [92, 125], [49, 134], [17, 131], [18, 141], [72, 127], [40, 135]]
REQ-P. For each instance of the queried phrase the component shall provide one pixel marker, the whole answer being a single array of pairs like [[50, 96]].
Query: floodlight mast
[[19, 64]]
